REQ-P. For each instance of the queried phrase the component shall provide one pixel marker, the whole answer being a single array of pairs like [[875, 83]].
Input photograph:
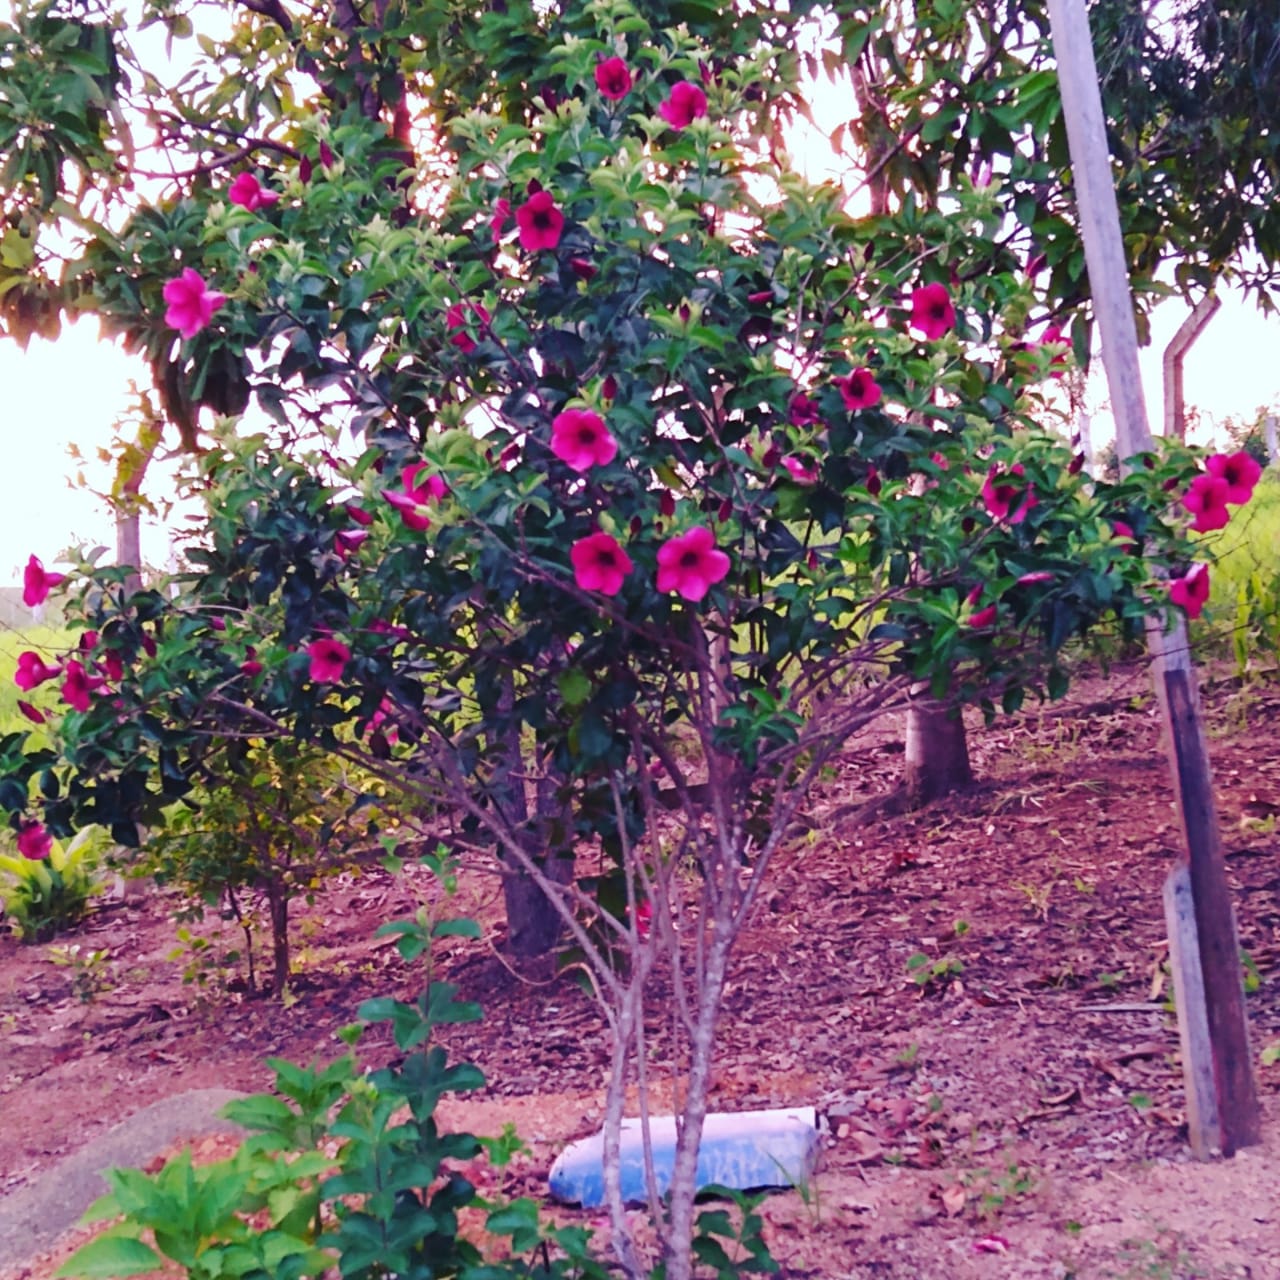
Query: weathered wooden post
[[1215, 1036], [1175, 400]]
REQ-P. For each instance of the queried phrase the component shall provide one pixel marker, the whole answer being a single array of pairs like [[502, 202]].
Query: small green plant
[[1271, 1054], [996, 1189], [729, 1244], [89, 975], [46, 897], [925, 972]]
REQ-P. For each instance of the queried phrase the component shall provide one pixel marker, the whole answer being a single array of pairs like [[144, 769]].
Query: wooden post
[[1269, 428], [1223, 1013], [1175, 401]]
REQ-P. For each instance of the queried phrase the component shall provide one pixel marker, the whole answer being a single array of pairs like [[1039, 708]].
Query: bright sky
[[72, 391]]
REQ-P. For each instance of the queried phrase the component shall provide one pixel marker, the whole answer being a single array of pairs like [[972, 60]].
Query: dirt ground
[[1012, 1107]]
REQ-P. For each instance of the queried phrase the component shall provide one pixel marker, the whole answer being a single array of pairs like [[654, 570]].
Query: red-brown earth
[[1020, 1114]]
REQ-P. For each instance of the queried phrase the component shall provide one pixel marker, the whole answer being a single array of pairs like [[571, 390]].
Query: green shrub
[[45, 898]]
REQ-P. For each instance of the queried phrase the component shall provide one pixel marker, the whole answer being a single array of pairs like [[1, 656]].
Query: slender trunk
[[937, 755], [278, 908], [684, 1173]]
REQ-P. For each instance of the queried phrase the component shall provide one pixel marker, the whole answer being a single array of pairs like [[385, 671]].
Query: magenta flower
[[1239, 471], [1207, 500], [33, 672], [801, 471], [686, 103], [1124, 536], [580, 438], [251, 666], [1008, 497], [191, 303], [1037, 575], [34, 841], [931, 311], [413, 500], [36, 583], [599, 563], [540, 222], [802, 410], [459, 317], [112, 665], [249, 193], [983, 618], [346, 542], [859, 390], [1053, 336], [78, 686], [36, 717], [329, 658], [691, 563], [501, 216], [359, 514], [1191, 591], [613, 79]]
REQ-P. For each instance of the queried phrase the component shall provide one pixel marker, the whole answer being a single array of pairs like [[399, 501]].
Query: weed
[[89, 974], [925, 972]]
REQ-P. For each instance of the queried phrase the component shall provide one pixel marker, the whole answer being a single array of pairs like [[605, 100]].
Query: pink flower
[[112, 665], [1191, 591], [78, 685], [691, 563], [36, 583], [501, 216], [359, 514], [1006, 498], [931, 311], [88, 641], [1239, 471], [580, 438], [459, 316], [251, 666], [32, 671], [347, 541], [801, 471], [413, 501], [1038, 575], [540, 222], [36, 717], [1053, 336], [191, 303], [329, 658], [686, 103], [613, 79], [644, 918], [599, 563], [859, 390], [249, 193], [802, 410], [983, 618], [34, 841], [1207, 500], [1124, 535]]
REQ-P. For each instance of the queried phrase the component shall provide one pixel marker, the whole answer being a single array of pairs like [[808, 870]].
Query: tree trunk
[[278, 908], [533, 923], [937, 756]]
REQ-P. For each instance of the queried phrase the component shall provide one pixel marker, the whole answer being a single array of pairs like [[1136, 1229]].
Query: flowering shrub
[[706, 474]]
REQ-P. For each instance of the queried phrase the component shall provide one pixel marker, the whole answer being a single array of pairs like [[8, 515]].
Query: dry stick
[[1238, 1119]]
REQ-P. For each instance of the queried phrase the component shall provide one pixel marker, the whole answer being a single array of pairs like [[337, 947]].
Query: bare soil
[[1011, 1107]]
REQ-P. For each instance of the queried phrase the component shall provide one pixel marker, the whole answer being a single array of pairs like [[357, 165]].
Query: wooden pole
[[1175, 400], [1237, 1120]]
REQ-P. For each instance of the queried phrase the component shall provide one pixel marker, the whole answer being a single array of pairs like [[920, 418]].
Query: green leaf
[[111, 1255]]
